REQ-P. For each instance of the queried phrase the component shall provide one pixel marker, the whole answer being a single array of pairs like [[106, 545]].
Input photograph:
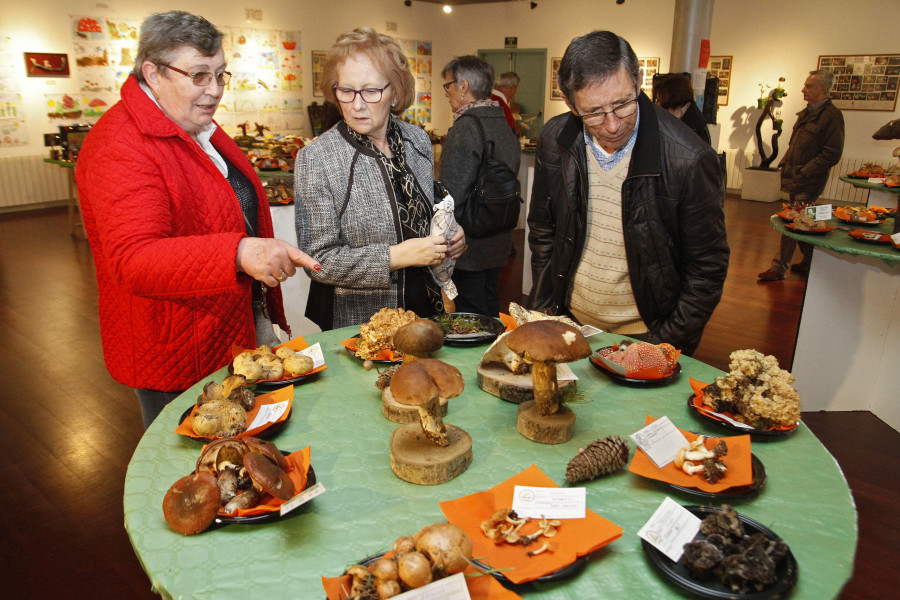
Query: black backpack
[[493, 204]]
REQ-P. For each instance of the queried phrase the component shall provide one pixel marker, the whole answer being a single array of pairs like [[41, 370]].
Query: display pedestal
[[761, 186]]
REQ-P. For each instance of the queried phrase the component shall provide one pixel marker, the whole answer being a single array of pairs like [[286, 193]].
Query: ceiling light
[[448, 9]]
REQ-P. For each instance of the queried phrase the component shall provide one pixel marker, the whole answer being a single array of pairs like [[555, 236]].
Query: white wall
[[767, 38]]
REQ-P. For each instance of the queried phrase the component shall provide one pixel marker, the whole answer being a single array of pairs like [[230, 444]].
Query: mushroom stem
[[546, 390], [432, 422]]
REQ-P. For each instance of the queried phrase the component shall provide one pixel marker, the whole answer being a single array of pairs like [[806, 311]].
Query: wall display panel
[[720, 66], [318, 66], [555, 92], [649, 68], [864, 81], [419, 58], [13, 131]]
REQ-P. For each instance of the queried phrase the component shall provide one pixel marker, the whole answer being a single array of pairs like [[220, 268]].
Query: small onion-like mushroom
[[414, 569], [387, 589], [385, 569], [403, 545], [447, 547]]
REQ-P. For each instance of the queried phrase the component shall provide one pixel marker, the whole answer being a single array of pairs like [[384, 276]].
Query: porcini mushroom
[[423, 384], [268, 477], [418, 339], [543, 344]]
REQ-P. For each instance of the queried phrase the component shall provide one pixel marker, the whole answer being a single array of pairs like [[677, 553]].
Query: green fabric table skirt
[[805, 500]]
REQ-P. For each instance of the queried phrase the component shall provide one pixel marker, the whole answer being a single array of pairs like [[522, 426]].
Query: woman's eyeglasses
[[369, 95], [203, 78], [626, 109], [448, 84]]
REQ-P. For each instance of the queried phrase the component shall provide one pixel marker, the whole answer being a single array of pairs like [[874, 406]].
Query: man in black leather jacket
[[636, 247]]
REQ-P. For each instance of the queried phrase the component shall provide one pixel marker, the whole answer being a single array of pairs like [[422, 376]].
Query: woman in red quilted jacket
[[178, 221]]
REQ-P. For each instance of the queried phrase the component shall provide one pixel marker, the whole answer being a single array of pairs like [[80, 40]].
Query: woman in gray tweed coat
[[468, 82], [364, 192]]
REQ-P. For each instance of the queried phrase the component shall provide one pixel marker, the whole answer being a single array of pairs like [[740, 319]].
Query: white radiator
[[26, 180], [835, 189]]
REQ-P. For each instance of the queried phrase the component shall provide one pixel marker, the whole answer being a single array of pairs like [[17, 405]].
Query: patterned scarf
[[474, 104], [413, 207]]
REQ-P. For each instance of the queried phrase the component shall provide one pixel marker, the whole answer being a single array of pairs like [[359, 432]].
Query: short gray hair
[[593, 58], [475, 70], [825, 79], [164, 34], [509, 79]]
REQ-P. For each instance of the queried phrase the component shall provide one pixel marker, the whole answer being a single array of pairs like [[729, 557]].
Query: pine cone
[[601, 457]]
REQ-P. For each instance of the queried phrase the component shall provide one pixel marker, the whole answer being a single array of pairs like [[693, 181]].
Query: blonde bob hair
[[384, 53]]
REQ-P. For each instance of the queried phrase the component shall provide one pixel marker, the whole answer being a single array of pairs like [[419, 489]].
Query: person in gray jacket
[[467, 85], [365, 191]]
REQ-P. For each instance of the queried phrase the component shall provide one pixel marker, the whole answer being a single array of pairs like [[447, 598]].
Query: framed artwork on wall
[[555, 92], [43, 64], [318, 63], [864, 81], [649, 68], [720, 66]]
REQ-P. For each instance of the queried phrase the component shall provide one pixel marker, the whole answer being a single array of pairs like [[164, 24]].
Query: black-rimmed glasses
[[626, 109], [448, 84], [369, 95], [203, 78]]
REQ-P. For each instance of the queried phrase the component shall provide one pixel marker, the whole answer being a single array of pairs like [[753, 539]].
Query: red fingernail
[[318, 267]]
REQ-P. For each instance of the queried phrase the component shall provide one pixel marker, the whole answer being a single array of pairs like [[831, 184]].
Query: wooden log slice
[[417, 460], [503, 383], [401, 413], [552, 429]]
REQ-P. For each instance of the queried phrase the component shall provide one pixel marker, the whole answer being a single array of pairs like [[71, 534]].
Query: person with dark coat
[[627, 229], [674, 93], [817, 142], [468, 82]]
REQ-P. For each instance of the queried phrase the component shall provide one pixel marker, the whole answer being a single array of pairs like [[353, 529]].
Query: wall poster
[[649, 68], [418, 57], [720, 66], [318, 64], [555, 92], [864, 82]]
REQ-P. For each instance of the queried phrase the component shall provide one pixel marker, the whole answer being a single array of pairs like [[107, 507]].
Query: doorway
[[531, 67]]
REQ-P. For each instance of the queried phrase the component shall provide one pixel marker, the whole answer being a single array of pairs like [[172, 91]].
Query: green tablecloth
[[805, 500], [839, 241], [864, 183]]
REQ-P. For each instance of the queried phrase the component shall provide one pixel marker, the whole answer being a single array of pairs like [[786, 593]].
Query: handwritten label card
[[302, 498], [660, 440], [268, 413], [670, 528], [551, 503]]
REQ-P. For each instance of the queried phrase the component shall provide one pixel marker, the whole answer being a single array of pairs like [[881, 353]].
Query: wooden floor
[[69, 430]]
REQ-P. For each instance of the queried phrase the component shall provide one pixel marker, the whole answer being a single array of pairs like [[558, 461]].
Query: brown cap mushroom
[[268, 477], [220, 451], [418, 339], [192, 503], [423, 384], [267, 449], [543, 344]]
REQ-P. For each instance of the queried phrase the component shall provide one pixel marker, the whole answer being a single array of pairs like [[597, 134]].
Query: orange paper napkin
[[279, 395], [297, 344], [386, 354], [508, 321], [739, 468], [697, 402], [574, 538], [299, 463]]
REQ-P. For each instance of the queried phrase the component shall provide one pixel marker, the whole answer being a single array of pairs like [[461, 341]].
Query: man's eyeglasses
[[626, 109], [203, 78], [369, 95], [448, 84]]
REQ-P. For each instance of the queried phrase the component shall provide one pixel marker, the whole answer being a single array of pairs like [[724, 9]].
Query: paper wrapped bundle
[[444, 223]]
